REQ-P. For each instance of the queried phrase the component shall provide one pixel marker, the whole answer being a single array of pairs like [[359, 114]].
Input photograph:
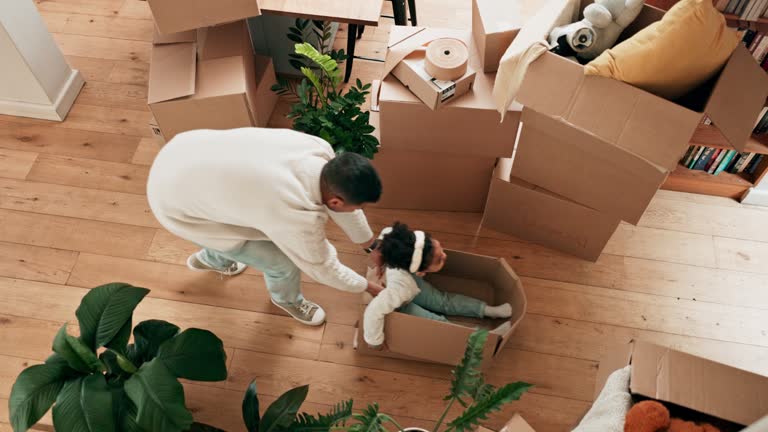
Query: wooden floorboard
[[693, 275]]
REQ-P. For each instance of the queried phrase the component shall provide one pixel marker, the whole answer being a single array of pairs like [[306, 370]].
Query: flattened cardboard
[[637, 121], [516, 424], [585, 168], [415, 338], [693, 382], [407, 124], [410, 72], [531, 213], [173, 16], [495, 24]]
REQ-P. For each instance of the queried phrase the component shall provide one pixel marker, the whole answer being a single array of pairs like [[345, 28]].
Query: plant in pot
[[321, 107], [97, 382]]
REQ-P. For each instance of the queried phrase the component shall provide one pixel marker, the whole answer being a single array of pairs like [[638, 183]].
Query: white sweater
[[220, 189], [400, 288]]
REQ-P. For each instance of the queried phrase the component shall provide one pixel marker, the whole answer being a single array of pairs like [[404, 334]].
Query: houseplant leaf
[[471, 417], [313, 78], [195, 354], [104, 311], [466, 376], [339, 414], [124, 410], [75, 352], [159, 399], [96, 400], [283, 411], [119, 343], [326, 63], [68, 415], [149, 335], [34, 392], [251, 408]]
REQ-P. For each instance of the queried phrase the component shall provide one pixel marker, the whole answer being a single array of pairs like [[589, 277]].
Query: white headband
[[418, 248]]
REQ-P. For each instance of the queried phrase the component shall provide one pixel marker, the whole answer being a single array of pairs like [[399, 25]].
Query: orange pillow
[[671, 57]]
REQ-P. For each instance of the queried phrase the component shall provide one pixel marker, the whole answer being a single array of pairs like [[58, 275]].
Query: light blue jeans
[[431, 302], [282, 276]]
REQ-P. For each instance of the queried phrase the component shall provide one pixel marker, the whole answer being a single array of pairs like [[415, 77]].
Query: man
[[261, 198]]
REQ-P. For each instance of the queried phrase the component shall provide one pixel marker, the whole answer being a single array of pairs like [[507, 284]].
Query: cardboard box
[[691, 382], [434, 93], [416, 180], [517, 424], [535, 214], [483, 277], [173, 16], [651, 127], [495, 23], [226, 40], [216, 93], [155, 128], [585, 168], [468, 125]]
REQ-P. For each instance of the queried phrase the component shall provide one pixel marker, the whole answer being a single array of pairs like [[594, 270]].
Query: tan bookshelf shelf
[[734, 21], [724, 184]]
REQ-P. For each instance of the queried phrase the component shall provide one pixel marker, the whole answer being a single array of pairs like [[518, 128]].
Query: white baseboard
[[756, 197], [57, 111]]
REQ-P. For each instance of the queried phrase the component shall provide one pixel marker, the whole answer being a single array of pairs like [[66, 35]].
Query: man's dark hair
[[353, 178], [397, 248]]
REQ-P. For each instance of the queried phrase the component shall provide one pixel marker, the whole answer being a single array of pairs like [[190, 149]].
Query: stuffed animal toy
[[603, 22], [652, 416]]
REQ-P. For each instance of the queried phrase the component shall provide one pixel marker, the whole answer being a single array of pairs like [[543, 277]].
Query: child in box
[[406, 256]]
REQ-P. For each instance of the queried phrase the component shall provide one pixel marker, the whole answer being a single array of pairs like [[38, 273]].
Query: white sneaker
[[196, 263], [306, 312]]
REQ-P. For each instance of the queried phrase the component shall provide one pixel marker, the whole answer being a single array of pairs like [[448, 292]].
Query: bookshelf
[[724, 184]]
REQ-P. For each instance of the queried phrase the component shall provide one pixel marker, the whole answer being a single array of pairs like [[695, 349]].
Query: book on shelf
[[717, 161], [753, 165], [726, 161], [704, 158], [714, 160]]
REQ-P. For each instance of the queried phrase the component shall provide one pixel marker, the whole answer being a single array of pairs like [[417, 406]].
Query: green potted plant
[[320, 106], [97, 382]]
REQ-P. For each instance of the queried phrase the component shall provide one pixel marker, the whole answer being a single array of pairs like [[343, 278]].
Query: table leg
[[360, 31], [351, 41], [398, 10], [412, 10]]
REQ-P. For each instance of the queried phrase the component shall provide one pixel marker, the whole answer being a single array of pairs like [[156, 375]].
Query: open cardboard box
[[434, 93], [229, 89], [483, 277], [516, 424], [649, 126], [173, 16], [585, 168], [724, 396], [495, 23], [535, 214], [408, 124]]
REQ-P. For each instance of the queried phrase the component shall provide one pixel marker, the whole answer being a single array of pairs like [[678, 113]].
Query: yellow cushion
[[672, 56]]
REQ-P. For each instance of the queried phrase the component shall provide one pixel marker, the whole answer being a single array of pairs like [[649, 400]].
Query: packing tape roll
[[446, 59]]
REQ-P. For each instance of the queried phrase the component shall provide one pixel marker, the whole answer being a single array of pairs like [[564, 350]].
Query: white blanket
[[529, 44], [610, 409]]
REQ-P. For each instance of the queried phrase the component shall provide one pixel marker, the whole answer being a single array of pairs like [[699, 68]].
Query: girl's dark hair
[[397, 248]]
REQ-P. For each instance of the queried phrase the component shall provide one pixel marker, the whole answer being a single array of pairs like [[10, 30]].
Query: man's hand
[[374, 289]]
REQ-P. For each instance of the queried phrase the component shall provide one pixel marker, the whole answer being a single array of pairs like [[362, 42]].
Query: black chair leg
[[360, 30], [351, 41], [412, 10], [398, 10]]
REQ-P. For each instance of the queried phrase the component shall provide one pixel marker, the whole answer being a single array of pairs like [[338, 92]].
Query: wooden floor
[[693, 274]]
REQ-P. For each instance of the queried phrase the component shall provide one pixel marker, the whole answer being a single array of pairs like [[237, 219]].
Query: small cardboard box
[[495, 23], [535, 214], [408, 124], [517, 424], [483, 277], [433, 92], [691, 382], [585, 168], [651, 127], [217, 93], [172, 16]]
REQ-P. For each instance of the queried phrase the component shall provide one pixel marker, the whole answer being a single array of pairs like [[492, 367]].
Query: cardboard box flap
[[555, 76], [172, 72], [222, 76], [699, 384], [508, 290], [180, 37], [223, 40], [517, 424], [738, 97], [613, 358]]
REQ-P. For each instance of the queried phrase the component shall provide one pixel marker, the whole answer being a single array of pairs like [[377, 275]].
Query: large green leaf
[[159, 399], [466, 376], [34, 392], [97, 404], [75, 352], [124, 410], [339, 414], [68, 415], [149, 335], [472, 416], [326, 63], [195, 354], [119, 343], [251, 408], [104, 311], [282, 412]]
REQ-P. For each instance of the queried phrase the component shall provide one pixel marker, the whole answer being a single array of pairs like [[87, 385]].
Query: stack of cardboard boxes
[[207, 77], [589, 151]]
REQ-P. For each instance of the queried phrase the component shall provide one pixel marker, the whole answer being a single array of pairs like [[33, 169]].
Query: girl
[[406, 256]]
